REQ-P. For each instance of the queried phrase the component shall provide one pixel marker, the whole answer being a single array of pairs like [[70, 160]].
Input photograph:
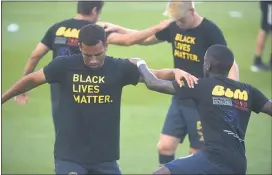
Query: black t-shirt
[[224, 106], [189, 45], [88, 119], [62, 39]]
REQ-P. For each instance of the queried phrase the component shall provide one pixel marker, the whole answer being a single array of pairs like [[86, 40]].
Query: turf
[[27, 131]]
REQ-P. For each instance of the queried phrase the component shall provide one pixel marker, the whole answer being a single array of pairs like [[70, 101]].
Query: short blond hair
[[178, 9]]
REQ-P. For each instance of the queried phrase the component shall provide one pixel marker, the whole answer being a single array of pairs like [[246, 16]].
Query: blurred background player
[[264, 31], [225, 107], [62, 39], [190, 35]]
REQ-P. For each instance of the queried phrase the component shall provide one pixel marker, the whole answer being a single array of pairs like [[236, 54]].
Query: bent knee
[[163, 170], [168, 145]]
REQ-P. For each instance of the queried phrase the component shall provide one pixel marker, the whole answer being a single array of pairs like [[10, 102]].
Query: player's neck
[[84, 17], [197, 20], [212, 75]]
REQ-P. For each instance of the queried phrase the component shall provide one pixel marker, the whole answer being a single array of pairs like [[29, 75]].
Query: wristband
[[140, 62]]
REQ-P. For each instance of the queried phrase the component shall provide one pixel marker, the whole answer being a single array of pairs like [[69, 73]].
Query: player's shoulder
[[70, 22], [116, 62], [173, 26], [209, 25], [68, 60], [112, 59], [65, 21]]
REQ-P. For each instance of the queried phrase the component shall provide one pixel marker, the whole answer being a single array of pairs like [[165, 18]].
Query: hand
[[21, 99], [108, 27], [190, 79]]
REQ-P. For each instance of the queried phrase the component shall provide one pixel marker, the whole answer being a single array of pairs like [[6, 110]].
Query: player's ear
[[94, 11], [106, 45], [208, 67], [79, 46]]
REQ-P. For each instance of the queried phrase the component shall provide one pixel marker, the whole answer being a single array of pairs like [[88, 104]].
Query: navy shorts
[[266, 15], [197, 163], [67, 167], [182, 119]]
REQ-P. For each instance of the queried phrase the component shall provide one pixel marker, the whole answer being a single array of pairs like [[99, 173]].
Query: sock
[[271, 59], [163, 159], [257, 60]]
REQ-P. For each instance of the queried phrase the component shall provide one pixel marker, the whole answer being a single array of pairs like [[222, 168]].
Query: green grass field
[[27, 131]]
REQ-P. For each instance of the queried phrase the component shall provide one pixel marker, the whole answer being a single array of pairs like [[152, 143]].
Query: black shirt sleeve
[[216, 36], [186, 92], [48, 38], [55, 70], [258, 100], [129, 72], [164, 35]]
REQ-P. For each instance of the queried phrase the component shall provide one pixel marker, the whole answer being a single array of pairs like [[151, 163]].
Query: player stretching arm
[[168, 87], [38, 78]]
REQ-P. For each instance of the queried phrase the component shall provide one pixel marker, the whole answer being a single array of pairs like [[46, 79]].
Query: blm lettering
[[86, 89], [183, 47]]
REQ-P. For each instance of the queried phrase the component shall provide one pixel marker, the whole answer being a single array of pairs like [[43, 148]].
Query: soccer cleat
[[259, 67]]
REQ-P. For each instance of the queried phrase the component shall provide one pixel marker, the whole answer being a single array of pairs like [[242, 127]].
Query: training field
[[27, 131]]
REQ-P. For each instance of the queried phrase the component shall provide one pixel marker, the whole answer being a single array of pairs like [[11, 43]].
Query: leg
[[106, 168], [163, 170], [261, 38], [174, 132], [193, 124], [66, 167]]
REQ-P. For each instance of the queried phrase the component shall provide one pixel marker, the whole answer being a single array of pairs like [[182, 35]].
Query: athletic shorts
[[197, 163], [266, 15], [182, 119], [68, 167]]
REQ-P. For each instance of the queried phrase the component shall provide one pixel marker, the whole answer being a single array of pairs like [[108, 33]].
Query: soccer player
[[62, 40], [224, 105], [190, 36], [88, 120], [265, 29]]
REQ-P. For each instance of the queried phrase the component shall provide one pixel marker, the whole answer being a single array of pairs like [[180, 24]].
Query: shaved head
[[218, 60]]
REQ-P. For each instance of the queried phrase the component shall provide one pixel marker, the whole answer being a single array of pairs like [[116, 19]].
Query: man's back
[[62, 37], [225, 107]]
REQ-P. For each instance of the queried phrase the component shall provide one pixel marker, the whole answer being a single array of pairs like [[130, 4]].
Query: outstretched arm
[[25, 84], [166, 74], [132, 38], [260, 103], [164, 86], [127, 37], [267, 108]]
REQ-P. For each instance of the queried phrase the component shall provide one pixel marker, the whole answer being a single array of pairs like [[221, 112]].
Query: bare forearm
[[153, 83], [21, 86], [31, 65], [132, 38], [234, 72], [123, 30], [140, 36], [164, 74]]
